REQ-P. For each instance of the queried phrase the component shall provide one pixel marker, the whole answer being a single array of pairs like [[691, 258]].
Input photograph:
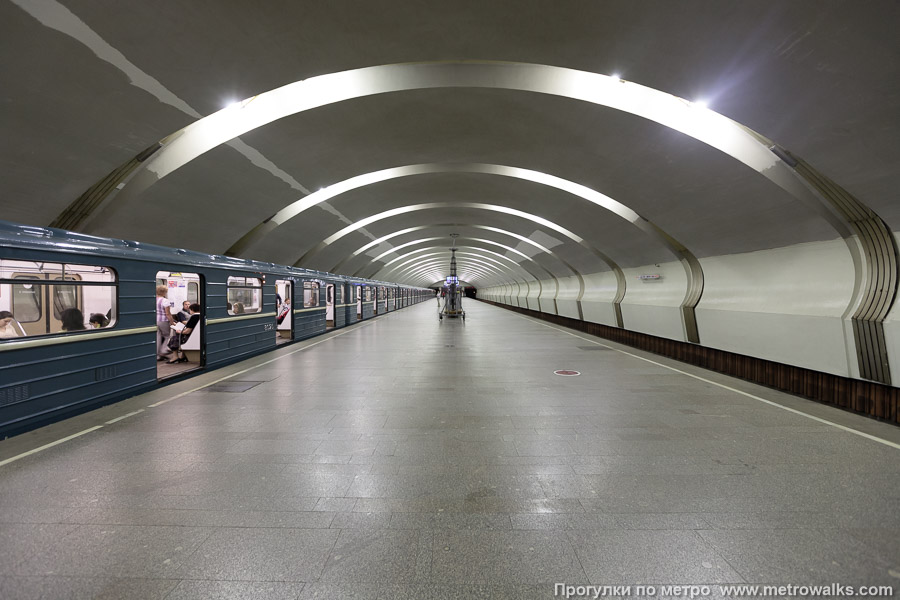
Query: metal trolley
[[452, 292]]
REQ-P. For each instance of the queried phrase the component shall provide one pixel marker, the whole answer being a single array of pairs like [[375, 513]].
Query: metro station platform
[[410, 458]]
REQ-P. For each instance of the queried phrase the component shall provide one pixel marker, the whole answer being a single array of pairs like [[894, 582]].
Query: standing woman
[[164, 322]]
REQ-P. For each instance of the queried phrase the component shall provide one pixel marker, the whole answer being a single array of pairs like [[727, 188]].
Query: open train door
[[329, 306], [181, 292], [284, 311]]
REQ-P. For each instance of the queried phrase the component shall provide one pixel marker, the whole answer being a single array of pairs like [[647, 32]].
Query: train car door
[[284, 311], [183, 351], [329, 306], [375, 304], [359, 311]]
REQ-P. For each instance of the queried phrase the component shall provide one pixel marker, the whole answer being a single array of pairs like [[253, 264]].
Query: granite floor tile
[[373, 556], [634, 556], [295, 555], [85, 588], [430, 460], [236, 590], [512, 557], [117, 551]]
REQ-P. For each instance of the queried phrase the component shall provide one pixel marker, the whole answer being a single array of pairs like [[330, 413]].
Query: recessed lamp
[[615, 77]]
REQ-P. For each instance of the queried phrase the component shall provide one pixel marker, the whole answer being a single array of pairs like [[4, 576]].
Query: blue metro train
[[78, 316]]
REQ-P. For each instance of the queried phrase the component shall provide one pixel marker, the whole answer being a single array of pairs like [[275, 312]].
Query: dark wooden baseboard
[[867, 398]]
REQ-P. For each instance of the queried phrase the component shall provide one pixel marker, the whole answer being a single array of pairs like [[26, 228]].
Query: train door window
[[284, 313], [38, 303], [183, 345], [310, 294], [244, 295]]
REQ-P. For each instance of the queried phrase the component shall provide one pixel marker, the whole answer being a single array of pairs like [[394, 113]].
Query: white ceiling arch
[[463, 251], [519, 237], [694, 120], [523, 256], [438, 265]]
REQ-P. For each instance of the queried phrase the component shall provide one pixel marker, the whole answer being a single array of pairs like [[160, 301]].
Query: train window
[[26, 301], [37, 302], [310, 293], [244, 295], [193, 292], [368, 294]]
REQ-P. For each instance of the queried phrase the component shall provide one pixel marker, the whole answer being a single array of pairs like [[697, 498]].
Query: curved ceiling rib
[[385, 272], [524, 256], [442, 252], [581, 191], [620, 276], [460, 238], [691, 265], [442, 260], [670, 111], [521, 238], [436, 264], [394, 250], [875, 255]]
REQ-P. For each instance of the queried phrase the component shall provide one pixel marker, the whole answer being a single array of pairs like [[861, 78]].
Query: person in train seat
[[181, 337], [283, 310], [98, 321], [185, 313], [164, 322], [9, 327], [72, 320], [238, 308]]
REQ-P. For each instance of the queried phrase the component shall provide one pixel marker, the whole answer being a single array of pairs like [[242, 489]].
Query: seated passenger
[[283, 310], [185, 313], [98, 321], [181, 337], [9, 327], [238, 308], [72, 320]]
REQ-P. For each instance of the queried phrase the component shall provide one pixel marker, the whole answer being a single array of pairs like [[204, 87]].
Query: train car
[[80, 324]]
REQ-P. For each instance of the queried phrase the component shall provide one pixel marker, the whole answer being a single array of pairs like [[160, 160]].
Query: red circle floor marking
[[566, 373]]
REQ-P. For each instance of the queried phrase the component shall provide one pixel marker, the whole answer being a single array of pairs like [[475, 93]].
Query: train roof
[[59, 240]]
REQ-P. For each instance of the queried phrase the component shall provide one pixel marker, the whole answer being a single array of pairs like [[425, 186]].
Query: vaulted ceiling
[[544, 134]]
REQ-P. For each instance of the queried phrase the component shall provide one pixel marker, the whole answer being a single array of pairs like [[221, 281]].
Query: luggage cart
[[452, 291]]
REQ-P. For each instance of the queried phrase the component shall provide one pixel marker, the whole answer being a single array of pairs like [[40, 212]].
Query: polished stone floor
[[410, 458]]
